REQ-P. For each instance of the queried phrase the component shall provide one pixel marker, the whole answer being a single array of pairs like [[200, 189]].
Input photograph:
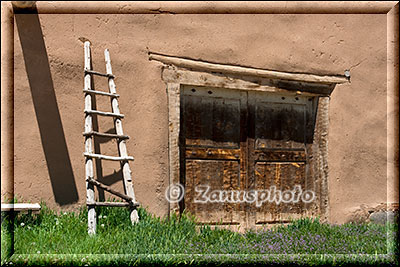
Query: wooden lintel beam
[[238, 70]]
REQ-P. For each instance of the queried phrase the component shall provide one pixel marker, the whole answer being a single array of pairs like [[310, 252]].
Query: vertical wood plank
[[252, 175], [173, 92], [244, 150], [88, 145], [126, 171], [322, 139]]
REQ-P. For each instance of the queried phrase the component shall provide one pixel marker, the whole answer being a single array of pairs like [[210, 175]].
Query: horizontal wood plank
[[20, 207], [201, 78], [224, 68], [212, 153], [280, 155]]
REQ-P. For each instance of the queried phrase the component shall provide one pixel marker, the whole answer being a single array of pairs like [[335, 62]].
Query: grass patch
[[51, 238]]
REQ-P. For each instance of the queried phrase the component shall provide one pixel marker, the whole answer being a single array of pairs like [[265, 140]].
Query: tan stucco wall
[[320, 43]]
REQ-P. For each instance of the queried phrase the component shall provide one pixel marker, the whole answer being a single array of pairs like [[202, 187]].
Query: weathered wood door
[[239, 141], [280, 156], [214, 150]]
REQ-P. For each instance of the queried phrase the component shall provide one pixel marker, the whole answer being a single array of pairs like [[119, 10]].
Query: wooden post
[[88, 145], [323, 127], [173, 91], [126, 171]]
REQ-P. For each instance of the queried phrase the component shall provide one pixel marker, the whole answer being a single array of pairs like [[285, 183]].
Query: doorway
[[237, 146]]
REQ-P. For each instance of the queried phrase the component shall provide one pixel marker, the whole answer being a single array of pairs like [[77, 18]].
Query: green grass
[[61, 239]]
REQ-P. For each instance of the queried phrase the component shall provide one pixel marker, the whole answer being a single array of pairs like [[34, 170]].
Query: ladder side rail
[[90, 196], [126, 171]]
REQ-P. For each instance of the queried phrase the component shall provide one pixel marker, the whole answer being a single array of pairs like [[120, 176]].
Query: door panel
[[283, 176], [213, 155], [280, 135], [216, 175], [211, 121], [280, 125]]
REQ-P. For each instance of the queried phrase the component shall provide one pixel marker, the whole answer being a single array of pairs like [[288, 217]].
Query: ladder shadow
[[45, 105]]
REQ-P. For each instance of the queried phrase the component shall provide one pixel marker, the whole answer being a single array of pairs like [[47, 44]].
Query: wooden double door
[[237, 147]]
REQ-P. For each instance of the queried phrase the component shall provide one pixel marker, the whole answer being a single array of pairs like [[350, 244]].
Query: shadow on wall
[[45, 105]]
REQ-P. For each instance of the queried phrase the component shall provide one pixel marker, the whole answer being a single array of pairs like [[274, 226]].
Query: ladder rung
[[102, 113], [100, 93], [99, 156], [106, 135], [99, 73], [112, 204], [109, 189]]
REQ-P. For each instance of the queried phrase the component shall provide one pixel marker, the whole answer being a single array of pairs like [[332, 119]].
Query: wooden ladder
[[90, 134]]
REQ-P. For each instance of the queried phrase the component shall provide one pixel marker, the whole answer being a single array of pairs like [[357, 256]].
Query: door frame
[[176, 78]]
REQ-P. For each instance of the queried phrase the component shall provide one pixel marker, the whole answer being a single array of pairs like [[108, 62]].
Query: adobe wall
[[320, 44]]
